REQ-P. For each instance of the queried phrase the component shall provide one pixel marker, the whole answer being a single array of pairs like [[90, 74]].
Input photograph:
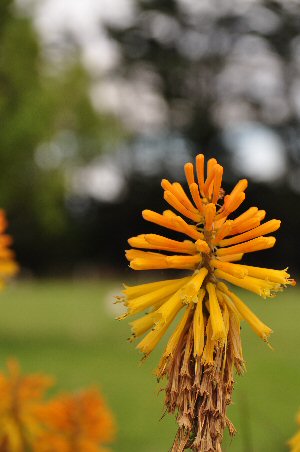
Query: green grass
[[67, 329]]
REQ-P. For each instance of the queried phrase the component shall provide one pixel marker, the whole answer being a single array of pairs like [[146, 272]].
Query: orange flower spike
[[173, 201], [200, 172], [205, 345], [210, 213]]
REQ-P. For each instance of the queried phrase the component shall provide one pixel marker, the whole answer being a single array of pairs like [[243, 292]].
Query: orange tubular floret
[[239, 271], [223, 231], [202, 246], [211, 166], [231, 257], [137, 254], [200, 172], [172, 222], [210, 213], [196, 197], [177, 190], [240, 187], [245, 226], [154, 241], [231, 204], [188, 229], [245, 216], [161, 261], [183, 262], [267, 228], [189, 173], [173, 201], [217, 183], [160, 220], [260, 243], [184, 198]]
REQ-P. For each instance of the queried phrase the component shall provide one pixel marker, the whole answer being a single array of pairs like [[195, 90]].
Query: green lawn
[[67, 329]]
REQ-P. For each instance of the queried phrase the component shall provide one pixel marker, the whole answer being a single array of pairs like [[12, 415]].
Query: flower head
[[205, 346]]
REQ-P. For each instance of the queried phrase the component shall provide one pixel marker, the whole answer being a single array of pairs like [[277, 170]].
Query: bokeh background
[[98, 101]]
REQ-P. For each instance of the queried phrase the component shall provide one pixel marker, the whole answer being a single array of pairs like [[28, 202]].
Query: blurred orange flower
[[76, 423], [8, 266], [19, 397]]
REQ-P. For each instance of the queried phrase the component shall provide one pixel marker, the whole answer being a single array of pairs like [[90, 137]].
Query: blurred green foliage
[[42, 105]]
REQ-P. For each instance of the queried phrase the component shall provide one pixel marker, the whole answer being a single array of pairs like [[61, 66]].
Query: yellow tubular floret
[[140, 326], [174, 339], [145, 301], [191, 290], [169, 309], [259, 286], [150, 341], [277, 276], [198, 326], [233, 269], [260, 328], [217, 323], [266, 228], [143, 289], [208, 352]]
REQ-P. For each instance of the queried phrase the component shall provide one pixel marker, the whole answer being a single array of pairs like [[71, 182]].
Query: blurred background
[[99, 100]]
